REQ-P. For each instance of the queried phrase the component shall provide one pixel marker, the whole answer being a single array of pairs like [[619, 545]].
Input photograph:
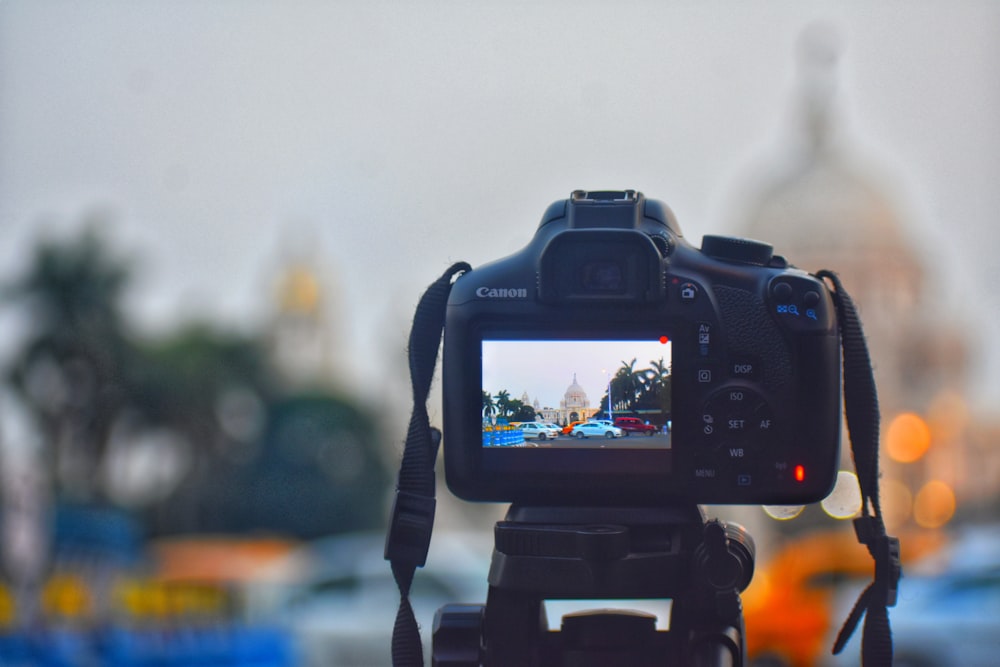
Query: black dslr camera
[[746, 349], [720, 364]]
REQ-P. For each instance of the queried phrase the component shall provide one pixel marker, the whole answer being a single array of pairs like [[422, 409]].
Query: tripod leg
[[514, 623]]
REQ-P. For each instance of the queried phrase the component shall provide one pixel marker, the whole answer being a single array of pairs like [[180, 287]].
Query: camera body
[[743, 382]]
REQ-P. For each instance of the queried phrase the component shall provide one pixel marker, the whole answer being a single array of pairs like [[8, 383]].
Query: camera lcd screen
[[577, 393]]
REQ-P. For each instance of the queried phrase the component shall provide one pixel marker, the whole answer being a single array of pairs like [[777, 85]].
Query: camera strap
[[862, 412], [412, 521]]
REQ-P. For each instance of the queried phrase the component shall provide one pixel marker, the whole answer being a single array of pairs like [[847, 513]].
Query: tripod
[[600, 554]]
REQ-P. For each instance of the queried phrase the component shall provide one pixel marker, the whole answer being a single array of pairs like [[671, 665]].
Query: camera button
[[735, 399], [736, 453], [689, 292], [737, 424], [705, 469], [763, 421], [739, 462], [704, 339], [743, 368], [782, 292]]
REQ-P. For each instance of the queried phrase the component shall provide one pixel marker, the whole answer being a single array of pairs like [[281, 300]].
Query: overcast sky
[[384, 141]]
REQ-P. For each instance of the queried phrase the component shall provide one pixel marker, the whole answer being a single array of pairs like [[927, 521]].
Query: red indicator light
[[664, 340], [800, 473]]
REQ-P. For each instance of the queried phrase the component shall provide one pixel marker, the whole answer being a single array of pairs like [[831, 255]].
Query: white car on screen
[[595, 430], [552, 429], [536, 431]]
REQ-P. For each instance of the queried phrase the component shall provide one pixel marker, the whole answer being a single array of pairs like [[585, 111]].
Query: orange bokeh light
[[897, 502], [908, 438], [934, 505]]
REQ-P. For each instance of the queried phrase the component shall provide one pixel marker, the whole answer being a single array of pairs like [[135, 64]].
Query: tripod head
[[605, 553]]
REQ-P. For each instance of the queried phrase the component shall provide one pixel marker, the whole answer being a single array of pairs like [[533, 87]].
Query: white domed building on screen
[[575, 406]]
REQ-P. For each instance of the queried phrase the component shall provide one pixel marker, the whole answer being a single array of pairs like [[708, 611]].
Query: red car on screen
[[631, 425]]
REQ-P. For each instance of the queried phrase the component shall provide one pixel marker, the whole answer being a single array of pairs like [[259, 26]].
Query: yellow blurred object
[[155, 601], [8, 607], [66, 596], [299, 291]]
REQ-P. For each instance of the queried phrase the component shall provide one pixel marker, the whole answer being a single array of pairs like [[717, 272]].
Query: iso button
[[736, 401]]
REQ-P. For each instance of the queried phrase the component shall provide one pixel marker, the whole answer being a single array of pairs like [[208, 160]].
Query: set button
[[737, 413]]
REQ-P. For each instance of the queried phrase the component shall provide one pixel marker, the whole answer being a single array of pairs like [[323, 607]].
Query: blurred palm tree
[[632, 381], [646, 389], [503, 403], [489, 407], [624, 388], [71, 372], [657, 387]]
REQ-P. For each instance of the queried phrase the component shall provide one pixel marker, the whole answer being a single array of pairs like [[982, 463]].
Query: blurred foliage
[[71, 370], [315, 471], [227, 448]]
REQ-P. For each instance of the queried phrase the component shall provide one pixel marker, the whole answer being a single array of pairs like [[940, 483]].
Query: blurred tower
[[825, 207], [302, 334]]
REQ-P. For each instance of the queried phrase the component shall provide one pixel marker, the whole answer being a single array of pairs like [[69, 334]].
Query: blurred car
[[568, 428], [216, 558], [338, 600], [536, 430], [793, 607], [553, 429], [948, 609], [634, 425], [948, 620], [595, 430]]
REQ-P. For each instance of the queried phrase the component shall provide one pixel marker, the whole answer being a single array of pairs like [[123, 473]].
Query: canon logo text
[[502, 293]]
